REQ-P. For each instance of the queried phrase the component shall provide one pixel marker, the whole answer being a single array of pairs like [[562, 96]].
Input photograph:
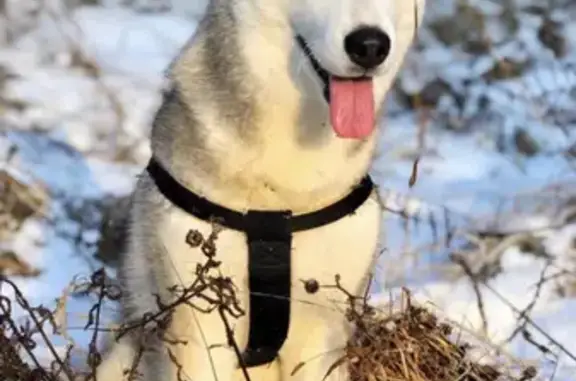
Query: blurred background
[[476, 165]]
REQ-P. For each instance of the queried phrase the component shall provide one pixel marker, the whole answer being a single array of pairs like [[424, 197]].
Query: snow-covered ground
[[470, 177]]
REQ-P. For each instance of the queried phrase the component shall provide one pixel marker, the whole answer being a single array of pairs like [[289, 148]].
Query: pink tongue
[[352, 107]]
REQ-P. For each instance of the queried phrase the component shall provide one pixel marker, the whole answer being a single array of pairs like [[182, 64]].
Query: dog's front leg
[[325, 365], [201, 350], [314, 353], [117, 362]]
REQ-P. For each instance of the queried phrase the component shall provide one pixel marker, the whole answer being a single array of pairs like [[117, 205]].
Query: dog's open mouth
[[351, 100]]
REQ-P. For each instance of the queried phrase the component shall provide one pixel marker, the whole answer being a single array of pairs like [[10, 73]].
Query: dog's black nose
[[367, 47]]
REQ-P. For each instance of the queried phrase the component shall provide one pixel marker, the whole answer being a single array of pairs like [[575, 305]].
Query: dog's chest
[[345, 248]]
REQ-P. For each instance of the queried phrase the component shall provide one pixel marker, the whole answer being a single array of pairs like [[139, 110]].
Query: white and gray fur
[[245, 125]]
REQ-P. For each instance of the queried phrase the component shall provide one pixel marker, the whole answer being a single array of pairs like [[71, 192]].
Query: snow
[[465, 180]]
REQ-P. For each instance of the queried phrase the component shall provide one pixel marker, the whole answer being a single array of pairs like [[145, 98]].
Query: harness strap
[[269, 240], [269, 279]]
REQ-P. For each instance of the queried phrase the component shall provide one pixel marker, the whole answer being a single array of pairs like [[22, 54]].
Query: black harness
[[269, 238]]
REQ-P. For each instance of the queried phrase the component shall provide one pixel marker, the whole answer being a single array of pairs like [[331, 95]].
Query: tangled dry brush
[[401, 341]]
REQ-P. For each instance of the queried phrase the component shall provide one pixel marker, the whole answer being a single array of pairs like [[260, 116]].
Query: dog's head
[[353, 49]]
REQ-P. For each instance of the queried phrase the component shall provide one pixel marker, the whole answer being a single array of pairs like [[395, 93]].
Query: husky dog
[[273, 106]]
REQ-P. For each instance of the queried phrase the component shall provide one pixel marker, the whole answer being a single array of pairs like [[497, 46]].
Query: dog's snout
[[367, 47]]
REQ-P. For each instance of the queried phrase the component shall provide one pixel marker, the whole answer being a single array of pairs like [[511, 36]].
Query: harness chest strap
[[269, 239]]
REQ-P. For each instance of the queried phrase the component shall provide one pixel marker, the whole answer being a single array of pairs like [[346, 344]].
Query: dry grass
[[412, 344], [409, 343], [18, 202]]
